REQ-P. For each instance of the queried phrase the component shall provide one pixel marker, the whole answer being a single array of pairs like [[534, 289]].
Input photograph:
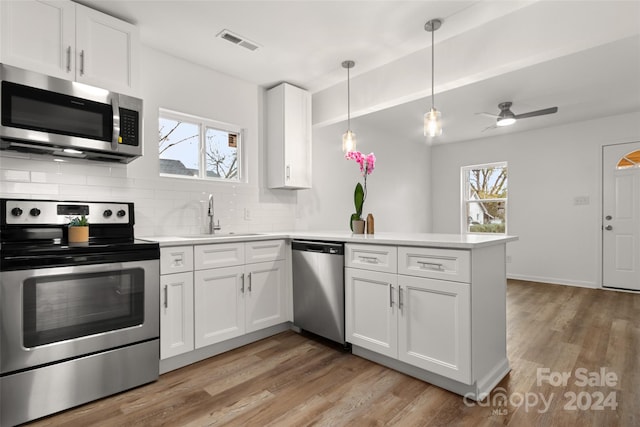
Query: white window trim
[[203, 123], [464, 184]]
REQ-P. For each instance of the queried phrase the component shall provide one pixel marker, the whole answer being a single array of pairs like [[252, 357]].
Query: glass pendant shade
[[348, 141], [432, 123]]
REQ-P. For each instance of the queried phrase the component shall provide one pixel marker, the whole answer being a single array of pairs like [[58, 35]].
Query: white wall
[[398, 189], [168, 205], [559, 242]]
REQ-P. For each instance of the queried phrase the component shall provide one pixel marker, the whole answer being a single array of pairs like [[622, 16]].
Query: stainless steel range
[[77, 321]]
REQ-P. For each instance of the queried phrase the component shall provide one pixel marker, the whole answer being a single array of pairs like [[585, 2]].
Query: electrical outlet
[[247, 214]]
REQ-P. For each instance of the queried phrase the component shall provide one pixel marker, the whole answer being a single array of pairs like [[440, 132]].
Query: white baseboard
[[555, 281]]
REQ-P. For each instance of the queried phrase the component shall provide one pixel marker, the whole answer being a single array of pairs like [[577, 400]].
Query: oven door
[[52, 314]]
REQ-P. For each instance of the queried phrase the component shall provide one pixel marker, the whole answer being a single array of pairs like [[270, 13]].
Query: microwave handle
[[115, 105]]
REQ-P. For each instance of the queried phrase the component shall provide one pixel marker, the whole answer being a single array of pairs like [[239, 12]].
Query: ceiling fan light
[[505, 121], [349, 141], [432, 123]]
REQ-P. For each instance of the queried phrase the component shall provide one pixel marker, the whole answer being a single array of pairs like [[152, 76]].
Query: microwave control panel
[[129, 127]]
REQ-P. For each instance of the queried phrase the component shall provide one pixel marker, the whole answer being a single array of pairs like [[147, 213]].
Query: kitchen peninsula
[[430, 305]]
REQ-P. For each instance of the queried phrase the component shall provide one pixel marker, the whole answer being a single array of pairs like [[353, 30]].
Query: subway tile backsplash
[[164, 206]]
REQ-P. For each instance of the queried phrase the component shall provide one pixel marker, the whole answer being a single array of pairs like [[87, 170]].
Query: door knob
[[608, 227]]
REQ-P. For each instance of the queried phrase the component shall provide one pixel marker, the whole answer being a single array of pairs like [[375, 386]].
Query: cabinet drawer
[[445, 264], [176, 259], [218, 255], [372, 257], [267, 250]]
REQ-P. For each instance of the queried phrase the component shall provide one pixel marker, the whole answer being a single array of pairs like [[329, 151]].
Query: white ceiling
[[303, 42]]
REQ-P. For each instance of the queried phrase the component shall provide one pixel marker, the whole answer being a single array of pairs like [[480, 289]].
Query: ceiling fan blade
[[537, 113], [494, 116], [489, 127]]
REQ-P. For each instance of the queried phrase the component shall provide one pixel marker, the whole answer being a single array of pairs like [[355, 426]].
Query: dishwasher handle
[[318, 247]]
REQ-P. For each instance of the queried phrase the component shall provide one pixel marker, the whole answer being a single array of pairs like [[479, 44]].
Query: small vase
[[370, 226], [358, 226], [78, 234]]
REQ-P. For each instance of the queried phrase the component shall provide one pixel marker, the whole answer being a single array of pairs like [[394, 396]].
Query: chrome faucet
[[212, 227]]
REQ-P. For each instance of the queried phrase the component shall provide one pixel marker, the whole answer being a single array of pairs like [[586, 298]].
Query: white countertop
[[461, 241]]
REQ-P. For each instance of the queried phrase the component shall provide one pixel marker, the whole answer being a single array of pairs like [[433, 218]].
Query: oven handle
[[115, 137], [84, 264]]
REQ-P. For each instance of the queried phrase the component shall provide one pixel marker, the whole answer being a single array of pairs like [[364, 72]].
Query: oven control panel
[[46, 212]]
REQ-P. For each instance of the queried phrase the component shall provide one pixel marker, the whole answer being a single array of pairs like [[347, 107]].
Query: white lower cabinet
[[219, 305], [202, 305], [434, 326], [423, 322], [265, 297], [232, 301], [371, 311], [176, 314]]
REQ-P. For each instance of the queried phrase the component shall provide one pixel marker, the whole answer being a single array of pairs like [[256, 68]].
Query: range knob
[[121, 213], [107, 213], [16, 211], [34, 212]]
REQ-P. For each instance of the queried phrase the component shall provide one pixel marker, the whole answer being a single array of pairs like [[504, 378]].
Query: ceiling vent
[[237, 40]]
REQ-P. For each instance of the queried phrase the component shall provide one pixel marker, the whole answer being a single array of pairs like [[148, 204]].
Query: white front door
[[621, 216]]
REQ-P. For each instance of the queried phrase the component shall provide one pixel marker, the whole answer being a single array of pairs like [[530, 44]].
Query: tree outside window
[[485, 198], [193, 147]]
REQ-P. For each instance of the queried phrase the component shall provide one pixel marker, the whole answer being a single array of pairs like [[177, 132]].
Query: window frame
[[203, 124], [465, 200]]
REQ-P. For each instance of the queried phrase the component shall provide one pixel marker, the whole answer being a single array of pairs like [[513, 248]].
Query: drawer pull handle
[[249, 282], [400, 303], [369, 259], [242, 286], [431, 265]]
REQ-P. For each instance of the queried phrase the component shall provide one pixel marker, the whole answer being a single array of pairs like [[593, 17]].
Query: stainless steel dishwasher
[[318, 288]]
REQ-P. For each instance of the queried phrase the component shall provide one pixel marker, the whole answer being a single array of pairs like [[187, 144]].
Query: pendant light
[[432, 118], [349, 137]]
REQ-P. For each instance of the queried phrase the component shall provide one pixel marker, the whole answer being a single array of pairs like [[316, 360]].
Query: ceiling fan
[[506, 116]]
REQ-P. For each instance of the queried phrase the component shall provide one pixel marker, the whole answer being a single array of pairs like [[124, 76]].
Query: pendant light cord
[[432, 70], [348, 99]]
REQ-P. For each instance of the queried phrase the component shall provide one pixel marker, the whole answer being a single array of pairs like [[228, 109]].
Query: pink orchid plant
[[367, 164]]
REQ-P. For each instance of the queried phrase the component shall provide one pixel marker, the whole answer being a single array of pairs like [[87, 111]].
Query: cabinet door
[[297, 138], [288, 137], [219, 305], [39, 36], [265, 296], [176, 314], [435, 327], [371, 310], [106, 51]]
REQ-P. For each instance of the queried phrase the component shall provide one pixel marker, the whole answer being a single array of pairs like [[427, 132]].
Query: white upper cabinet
[[70, 41], [288, 137], [107, 50]]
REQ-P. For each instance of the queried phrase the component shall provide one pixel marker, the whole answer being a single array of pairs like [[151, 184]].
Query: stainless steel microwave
[[47, 115]]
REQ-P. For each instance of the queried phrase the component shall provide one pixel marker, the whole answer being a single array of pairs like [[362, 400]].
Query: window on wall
[[484, 198], [194, 147]]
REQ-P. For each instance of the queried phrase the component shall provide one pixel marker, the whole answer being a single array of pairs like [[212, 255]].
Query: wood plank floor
[[291, 380]]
